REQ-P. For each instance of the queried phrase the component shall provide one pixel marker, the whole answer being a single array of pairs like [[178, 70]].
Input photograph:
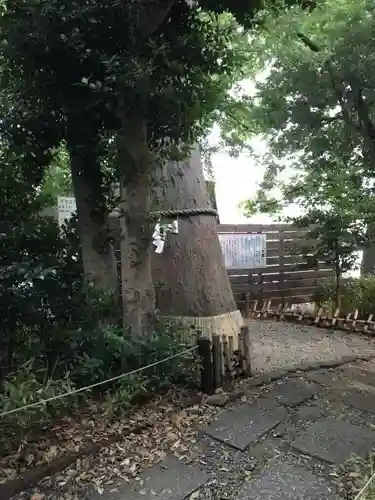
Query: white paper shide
[[160, 234]]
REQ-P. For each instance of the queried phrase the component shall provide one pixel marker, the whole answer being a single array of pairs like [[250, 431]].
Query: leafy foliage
[[57, 179], [88, 61], [355, 293], [53, 338], [315, 107], [89, 357], [26, 388]]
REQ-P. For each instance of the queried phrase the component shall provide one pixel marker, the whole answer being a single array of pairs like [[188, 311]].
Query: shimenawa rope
[[186, 212]]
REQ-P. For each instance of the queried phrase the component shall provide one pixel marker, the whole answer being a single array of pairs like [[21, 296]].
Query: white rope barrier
[[97, 384]]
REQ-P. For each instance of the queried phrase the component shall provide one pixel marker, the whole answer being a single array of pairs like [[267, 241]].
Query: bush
[[25, 388], [52, 338], [356, 293], [89, 359], [107, 352]]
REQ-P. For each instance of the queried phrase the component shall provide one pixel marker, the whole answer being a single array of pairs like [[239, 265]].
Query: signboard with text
[[243, 250], [66, 206]]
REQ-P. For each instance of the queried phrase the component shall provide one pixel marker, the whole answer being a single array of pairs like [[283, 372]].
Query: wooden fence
[[220, 362], [287, 277]]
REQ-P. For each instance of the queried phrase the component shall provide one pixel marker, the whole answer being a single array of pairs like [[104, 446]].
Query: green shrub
[[126, 392], [106, 352], [89, 358], [25, 388], [356, 293], [52, 326], [53, 337]]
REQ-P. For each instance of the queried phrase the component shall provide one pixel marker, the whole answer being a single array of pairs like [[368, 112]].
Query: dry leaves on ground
[[72, 434], [173, 430]]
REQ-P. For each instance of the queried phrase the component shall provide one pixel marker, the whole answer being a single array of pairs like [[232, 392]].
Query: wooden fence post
[[230, 355], [282, 265], [207, 374], [241, 351], [246, 349], [217, 356], [227, 359], [247, 305]]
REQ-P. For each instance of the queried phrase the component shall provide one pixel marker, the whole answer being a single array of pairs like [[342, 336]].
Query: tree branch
[[337, 91], [309, 44], [152, 18], [367, 125]]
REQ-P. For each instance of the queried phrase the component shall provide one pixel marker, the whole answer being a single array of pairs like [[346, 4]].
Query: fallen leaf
[[37, 496]]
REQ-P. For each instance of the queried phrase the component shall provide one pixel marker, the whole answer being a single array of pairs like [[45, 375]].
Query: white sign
[[243, 251], [66, 205]]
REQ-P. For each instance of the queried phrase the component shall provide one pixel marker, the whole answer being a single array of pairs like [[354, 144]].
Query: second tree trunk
[[136, 228], [98, 253]]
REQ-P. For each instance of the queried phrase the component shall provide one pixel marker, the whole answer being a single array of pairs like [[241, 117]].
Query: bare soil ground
[[282, 344]]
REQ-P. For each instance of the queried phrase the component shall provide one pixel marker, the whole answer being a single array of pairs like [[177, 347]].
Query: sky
[[236, 179]]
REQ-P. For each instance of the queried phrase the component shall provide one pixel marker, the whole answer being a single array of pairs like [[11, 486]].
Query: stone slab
[[244, 425], [292, 392], [361, 401], [169, 480], [322, 377], [335, 440], [307, 413], [357, 377], [281, 480]]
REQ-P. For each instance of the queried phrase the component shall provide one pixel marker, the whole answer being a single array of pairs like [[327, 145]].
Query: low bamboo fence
[[320, 317]]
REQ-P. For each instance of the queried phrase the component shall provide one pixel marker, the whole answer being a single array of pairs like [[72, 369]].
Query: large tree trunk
[[138, 295], [190, 278], [210, 185], [368, 259], [98, 253]]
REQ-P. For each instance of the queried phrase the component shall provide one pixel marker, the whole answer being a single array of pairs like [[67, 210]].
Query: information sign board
[[243, 250], [66, 206]]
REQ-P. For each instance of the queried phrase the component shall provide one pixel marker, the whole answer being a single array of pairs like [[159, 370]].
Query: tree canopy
[[146, 78], [315, 107]]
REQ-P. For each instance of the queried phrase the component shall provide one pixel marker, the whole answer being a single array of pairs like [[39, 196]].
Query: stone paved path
[[282, 441]]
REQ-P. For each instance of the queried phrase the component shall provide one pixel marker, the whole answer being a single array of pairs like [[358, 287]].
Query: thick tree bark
[[138, 296], [98, 253], [189, 276], [210, 185]]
